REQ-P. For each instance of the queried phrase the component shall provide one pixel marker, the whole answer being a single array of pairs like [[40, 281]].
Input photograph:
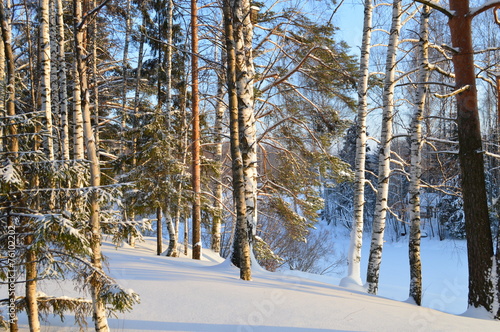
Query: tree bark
[[243, 36], [241, 248], [354, 258], [477, 223], [99, 316], [195, 147], [61, 81], [416, 166], [384, 154], [46, 92], [159, 233], [219, 115]]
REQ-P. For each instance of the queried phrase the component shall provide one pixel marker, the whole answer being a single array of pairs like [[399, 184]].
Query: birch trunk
[[128, 23], [159, 233], [384, 154], [172, 243], [219, 115], [46, 92], [168, 59], [2, 94], [354, 258], [12, 145], [243, 36], [99, 316], [78, 141], [241, 247], [195, 147], [416, 160], [61, 80]]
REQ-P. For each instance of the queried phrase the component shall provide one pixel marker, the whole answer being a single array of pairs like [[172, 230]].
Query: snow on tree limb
[[454, 93]]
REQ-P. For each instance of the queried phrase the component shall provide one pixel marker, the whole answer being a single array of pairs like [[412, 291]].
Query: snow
[[180, 294]]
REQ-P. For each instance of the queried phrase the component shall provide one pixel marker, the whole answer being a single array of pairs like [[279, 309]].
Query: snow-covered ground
[[180, 294]]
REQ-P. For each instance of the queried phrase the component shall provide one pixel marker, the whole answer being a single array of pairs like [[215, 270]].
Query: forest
[[240, 126]]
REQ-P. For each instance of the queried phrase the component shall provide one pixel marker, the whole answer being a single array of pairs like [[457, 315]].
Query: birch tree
[[354, 258], [241, 248], [195, 147], [416, 158], [243, 35], [100, 315], [384, 169]]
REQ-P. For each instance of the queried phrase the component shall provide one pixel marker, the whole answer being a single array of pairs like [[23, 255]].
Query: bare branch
[[436, 6]]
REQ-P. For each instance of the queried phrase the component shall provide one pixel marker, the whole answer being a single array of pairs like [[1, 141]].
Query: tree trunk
[[243, 36], [219, 115], [46, 92], [12, 144], [354, 268], [159, 233], [241, 247], [31, 288], [416, 160], [195, 147], [384, 169], [172, 243], [61, 81], [100, 316], [477, 223]]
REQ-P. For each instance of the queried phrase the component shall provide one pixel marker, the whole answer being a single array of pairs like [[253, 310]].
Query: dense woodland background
[[104, 105]]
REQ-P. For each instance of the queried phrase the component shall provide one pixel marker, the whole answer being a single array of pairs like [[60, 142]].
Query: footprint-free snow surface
[[180, 294]]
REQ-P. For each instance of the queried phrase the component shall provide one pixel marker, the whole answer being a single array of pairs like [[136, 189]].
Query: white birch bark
[[416, 166], [219, 114], [78, 142], [46, 92], [2, 92], [354, 257], [168, 56], [243, 31], [61, 80], [99, 316], [384, 154], [128, 23]]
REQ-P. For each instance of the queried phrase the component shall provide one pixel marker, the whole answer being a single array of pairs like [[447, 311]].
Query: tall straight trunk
[[12, 144], [94, 75], [31, 287], [219, 115], [168, 60], [477, 223], [78, 141], [384, 168], [354, 258], [99, 316], [2, 93], [172, 244], [159, 233], [243, 36], [128, 23], [195, 147], [46, 92], [241, 246], [61, 81], [416, 160]]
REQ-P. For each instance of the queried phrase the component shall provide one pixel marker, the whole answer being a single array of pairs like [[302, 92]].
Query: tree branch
[[436, 6]]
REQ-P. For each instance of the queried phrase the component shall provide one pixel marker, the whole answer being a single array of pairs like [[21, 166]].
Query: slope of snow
[[180, 294]]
